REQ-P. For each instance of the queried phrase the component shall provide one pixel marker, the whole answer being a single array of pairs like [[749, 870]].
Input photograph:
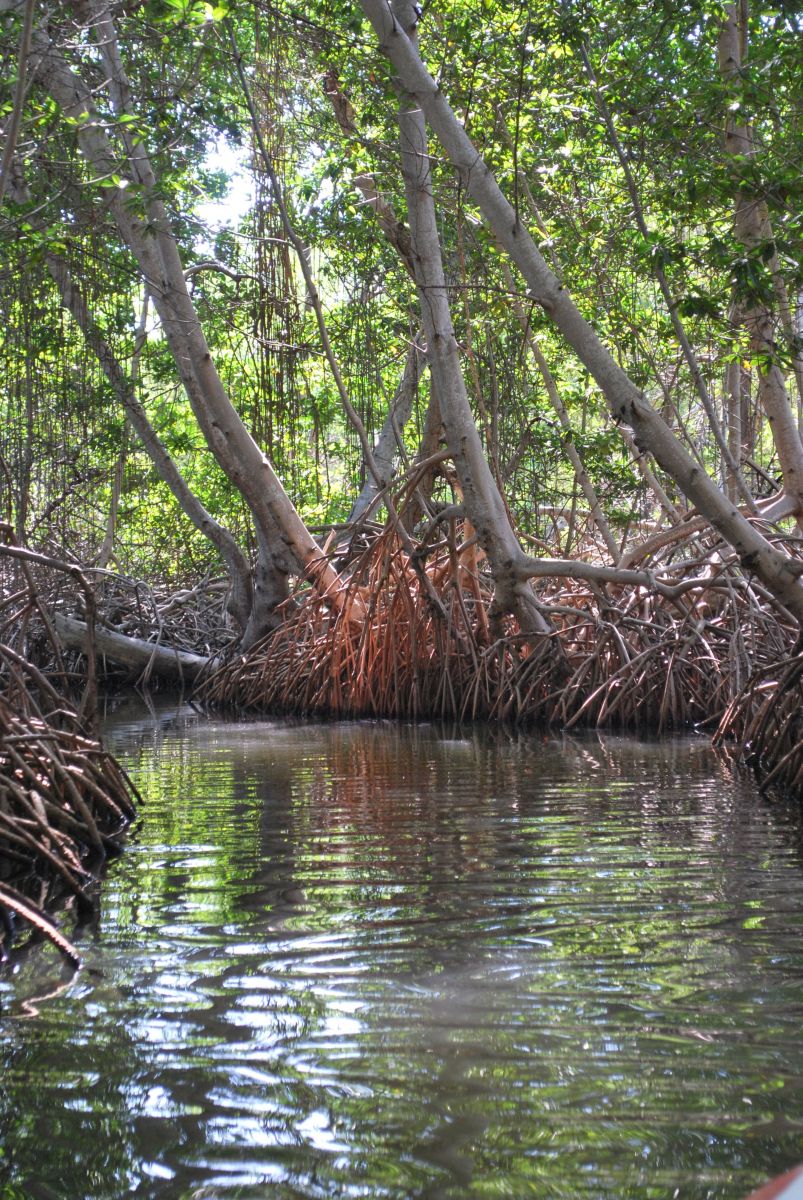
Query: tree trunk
[[239, 604], [284, 543], [626, 403], [483, 504], [106, 552], [754, 230], [178, 665], [429, 442], [670, 300], [386, 448], [123, 386]]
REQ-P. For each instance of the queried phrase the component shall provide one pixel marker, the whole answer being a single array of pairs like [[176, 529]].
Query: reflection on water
[[372, 960]]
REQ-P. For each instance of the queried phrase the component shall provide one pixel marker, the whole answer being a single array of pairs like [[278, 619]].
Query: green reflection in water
[[381, 960]]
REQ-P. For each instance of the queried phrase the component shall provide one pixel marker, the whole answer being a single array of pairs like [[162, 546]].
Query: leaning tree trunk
[[386, 447], [284, 543], [671, 301], [239, 571], [397, 234], [74, 301], [627, 404], [482, 501]]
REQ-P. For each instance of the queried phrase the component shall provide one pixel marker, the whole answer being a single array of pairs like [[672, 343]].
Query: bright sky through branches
[[226, 212]]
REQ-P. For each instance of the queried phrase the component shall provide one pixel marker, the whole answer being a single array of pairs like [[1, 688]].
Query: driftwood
[[165, 661]]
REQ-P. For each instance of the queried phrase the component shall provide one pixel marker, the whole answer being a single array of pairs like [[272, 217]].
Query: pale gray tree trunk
[[386, 447], [627, 404], [106, 552], [236, 563], [314, 301], [284, 544], [124, 387], [483, 504], [397, 235], [731, 462], [425, 467], [754, 229]]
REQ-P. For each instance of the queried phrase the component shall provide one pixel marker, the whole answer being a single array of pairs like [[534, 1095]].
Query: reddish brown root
[[620, 657], [766, 721], [63, 799]]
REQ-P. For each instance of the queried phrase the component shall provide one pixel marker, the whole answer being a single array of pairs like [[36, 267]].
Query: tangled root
[[621, 657], [766, 721], [63, 799]]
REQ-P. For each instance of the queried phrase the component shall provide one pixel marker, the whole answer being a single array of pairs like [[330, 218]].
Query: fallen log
[[164, 661]]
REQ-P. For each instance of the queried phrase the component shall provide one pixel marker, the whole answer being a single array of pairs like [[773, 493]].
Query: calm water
[[370, 960]]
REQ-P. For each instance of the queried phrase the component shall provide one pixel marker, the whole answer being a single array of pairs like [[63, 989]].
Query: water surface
[[381, 960]]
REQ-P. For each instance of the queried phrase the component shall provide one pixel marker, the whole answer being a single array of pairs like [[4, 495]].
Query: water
[[371, 960]]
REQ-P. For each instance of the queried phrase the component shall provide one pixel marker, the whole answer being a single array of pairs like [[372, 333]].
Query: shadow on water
[[372, 959]]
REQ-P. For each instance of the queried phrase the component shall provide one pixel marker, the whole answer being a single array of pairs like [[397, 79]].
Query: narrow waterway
[[381, 960]]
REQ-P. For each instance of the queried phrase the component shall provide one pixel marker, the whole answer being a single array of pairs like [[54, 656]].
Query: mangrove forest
[[400, 366]]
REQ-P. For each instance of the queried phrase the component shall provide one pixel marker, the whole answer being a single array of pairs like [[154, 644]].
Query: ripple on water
[[366, 959]]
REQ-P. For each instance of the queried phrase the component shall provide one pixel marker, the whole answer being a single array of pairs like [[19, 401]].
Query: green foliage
[[518, 79]]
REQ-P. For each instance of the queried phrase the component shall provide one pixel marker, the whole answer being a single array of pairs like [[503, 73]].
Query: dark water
[[365, 960]]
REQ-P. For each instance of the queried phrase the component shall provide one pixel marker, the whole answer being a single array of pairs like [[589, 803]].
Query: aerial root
[[63, 798], [766, 721], [620, 656]]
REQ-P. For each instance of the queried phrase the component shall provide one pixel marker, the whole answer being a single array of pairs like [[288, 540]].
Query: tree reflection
[[412, 960]]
